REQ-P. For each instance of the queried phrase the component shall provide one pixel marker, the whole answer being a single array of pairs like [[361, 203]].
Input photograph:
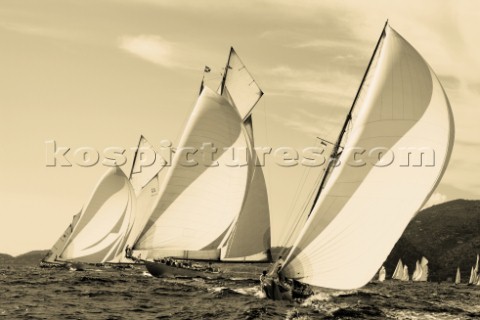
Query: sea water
[[30, 292]]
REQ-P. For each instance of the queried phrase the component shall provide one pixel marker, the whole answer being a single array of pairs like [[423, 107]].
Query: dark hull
[[160, 270]]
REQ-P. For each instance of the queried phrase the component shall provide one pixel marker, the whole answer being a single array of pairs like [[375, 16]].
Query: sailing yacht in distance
[[382, 274], [203, 212], [458, 277], [398, 273]]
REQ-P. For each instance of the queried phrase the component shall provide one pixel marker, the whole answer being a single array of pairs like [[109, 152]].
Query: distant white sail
[[99, 235], [382, 274], [417, 273], [424, 268], [403, 106], [458, 277], [398, 273], [406, 276], [472, 278], [198, 203]]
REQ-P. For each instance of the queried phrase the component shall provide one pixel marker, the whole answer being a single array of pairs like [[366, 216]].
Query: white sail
[[239, 86], [472, 278], [146, 164], [99, 235], [382, 274], [249, 236], [362, 211], [287, 224], [417, 273], [249, 239], [59, 246], [458, 277], [145, 204], [398, 273], [424, 270], [198, 203], [406, 276]]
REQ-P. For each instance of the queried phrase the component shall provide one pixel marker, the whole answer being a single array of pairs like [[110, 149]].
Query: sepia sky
[[100, 73]]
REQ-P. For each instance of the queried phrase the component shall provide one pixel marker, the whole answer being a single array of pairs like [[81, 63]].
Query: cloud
[[435, 198], [152, 48]]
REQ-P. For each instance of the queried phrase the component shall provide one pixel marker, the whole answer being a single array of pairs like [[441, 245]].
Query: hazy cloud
[[152, 48]]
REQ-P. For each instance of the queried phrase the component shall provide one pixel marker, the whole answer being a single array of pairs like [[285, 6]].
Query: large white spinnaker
[[198, 202], [99, 235], [363, 210]]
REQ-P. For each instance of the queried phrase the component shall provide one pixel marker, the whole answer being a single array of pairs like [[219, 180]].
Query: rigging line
[[301, 184], [335, 153], [304, 208], [266, 139]]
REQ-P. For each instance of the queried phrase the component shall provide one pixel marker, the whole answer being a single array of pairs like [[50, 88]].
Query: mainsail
[[362, 211], [199, 202]]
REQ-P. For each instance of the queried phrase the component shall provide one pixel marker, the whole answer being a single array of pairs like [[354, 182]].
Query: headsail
[[59, 246], [249, 239], [362, 211], [99, 235]]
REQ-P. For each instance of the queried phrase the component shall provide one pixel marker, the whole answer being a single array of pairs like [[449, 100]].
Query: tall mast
[[224, 78], [135, 157], [334, 155]]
